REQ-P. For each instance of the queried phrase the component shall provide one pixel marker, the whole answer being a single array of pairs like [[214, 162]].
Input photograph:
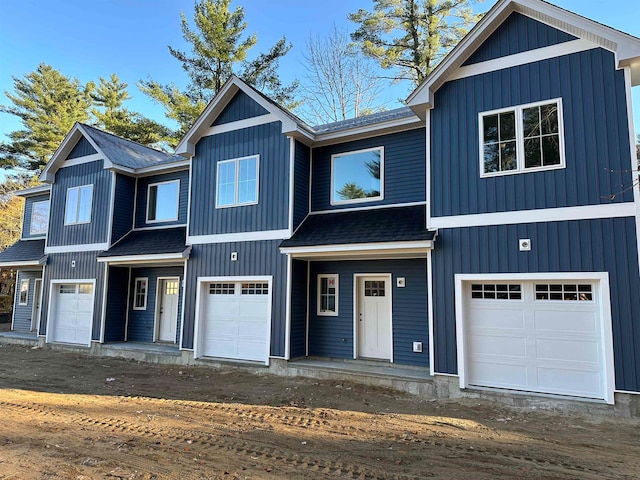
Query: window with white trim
[[496, 291], [237, 182], [357, 176], [24, 292], [39, 218], [162, 201], [141, 287], [78, 208], [581, 292], [328, 295], [522, 139]]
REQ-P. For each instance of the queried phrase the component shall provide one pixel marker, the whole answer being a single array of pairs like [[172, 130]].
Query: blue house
[[485, 234]]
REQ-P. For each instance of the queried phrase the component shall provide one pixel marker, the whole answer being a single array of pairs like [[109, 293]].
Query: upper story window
[[78, 208], [39, 218], [522, 139], [162, 201], [237, 182], [357, 176]]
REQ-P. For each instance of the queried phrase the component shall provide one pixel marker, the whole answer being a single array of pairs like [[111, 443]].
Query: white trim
[[183, 289], [310, 179], [605, 315], [287, 339], [540, 215], [50, 307], [26, 301], [517, 110], [66, 205], [41, 300], [292, 159], [157, 184], [367, 131], [112, 206], [156, 314], [432, 356], [103, 315], [136, 293], [163, 168], [428, 168], [380, 197], [141, 259], [356, 308], [39, 237], [26, 263], [85, 247], [422, 245], [200, 281], [35, 318], [126, 317], [319, 277], [33, 191], [240, 124], [135, 206], [530, 56], [189, 194], [236, 179], [635, 179], [238, 237], [31, 232], [70, 162], [627, 392], [307, 288], [160, 227], [368, 207]]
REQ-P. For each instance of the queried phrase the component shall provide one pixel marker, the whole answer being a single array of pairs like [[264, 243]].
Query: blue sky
[[130, 37]]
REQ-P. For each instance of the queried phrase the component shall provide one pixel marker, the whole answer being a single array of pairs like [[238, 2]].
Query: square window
[[163, 201], [39, 218], [79, 202], [357, 176], [237, 182], [24, 292], [328, 295], [141, 288]]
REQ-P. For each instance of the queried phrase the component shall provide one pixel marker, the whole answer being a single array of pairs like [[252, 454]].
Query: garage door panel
[[501, 375], [563, 350], [573, 382], [503, 345], [564, 320], [222, 306], [488, 317]]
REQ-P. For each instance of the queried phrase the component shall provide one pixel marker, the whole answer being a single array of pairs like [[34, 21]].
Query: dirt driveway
[[70, 416]]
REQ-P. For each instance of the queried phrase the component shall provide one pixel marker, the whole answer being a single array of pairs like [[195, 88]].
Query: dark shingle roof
[[150, 242], [23, 251], [365, 226], [126, 153], [395, 114]]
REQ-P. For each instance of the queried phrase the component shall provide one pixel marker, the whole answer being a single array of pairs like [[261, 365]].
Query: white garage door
[[72, 313], [236, 320], [538, 336]]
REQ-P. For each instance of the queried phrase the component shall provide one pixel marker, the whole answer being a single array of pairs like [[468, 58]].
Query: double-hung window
[[24, 292], [78, 208], [328, 295], [357, 176], [141, 287], [522, 139], [39, 218], [237, 182], [162, 201]]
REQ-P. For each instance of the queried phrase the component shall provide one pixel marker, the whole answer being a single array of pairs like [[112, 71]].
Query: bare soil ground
[[70, 416]]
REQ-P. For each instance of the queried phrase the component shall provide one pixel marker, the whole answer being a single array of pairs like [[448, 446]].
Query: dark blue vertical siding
[[596, 134], [607, 245], [272, 210], [254, 258], [141, 322], [404, 169], [333, 336], [91, 173], [22, 314], [116, 313], [302, 169], [298, 309], [82, 149], [518, 34], [26, 218], [240, 107], [141, 200], [123, 207]]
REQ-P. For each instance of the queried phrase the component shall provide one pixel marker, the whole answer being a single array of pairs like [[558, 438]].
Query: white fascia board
[[87, 247], [28, 192], [160, 257], [421, 245], [391, 126], [238, 237], [94, 157], [240, 124], [25, 263]]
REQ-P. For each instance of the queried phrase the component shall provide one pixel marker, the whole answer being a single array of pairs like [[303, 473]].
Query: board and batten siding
[[596, 136], [517, 34], [607, 245], [272, 210], [123, 206], [82, 149], [240, 107], [60, 267], [332, 336], [143, 190], [254, 259], [404, 169], [302, 168], [23, 314], [26, 218], [97, 231], [116, 312], [298, 333]]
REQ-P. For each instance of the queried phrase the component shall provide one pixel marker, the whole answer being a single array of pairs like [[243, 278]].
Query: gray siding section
[[518, 34], [576, 246], [116, 313], [240, 107], [272, 210], [404, 169], [59, 267], [123, 206], [26, 218], [333, 336], [302, 169], [254, 258], [595, 131], [24, 313], [141, 322], [298, 308], [141, 201], [82, 149], [75, 176]]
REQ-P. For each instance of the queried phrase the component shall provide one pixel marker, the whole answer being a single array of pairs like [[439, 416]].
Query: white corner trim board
[[87, 247], [238, 237]]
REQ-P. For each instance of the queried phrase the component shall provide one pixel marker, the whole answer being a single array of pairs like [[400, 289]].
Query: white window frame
[[156, 184], [358, 200], [237, 166], [136, 293], [79, 188], [28, 283], [319, 312], [31, 230], [520, 168]]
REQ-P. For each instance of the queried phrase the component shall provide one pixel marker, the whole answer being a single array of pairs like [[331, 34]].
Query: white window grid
[[327, 295], [140, 293]]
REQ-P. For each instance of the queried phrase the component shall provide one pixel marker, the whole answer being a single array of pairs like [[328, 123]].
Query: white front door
[[374, 318], [35, 317], [168, 313]]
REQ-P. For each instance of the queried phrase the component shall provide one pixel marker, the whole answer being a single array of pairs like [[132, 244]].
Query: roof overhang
[[158, 258], [361, 251], [625, 47], [153, 169], [391, 126], [28, 192], [25, 263]]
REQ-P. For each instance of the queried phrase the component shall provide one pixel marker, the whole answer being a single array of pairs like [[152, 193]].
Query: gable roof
[[625, 47]]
